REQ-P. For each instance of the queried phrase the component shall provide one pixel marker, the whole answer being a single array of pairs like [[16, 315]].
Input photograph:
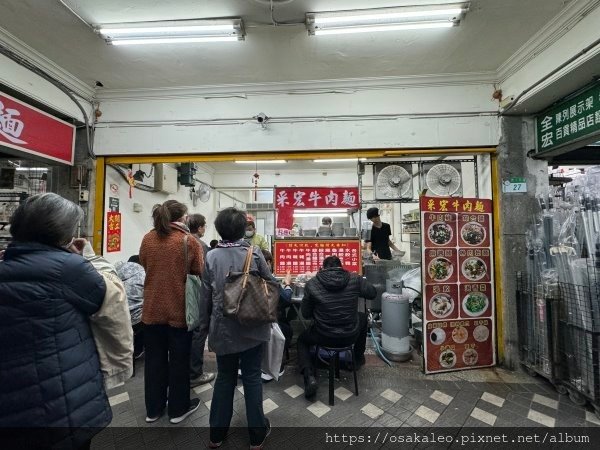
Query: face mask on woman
[[249, 233]]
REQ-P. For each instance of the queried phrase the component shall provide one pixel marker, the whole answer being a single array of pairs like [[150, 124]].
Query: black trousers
[[288, 333], [167, 369], [311, 337], [197, 352]]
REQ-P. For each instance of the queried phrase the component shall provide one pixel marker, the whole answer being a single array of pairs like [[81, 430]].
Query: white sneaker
[[194, 404], [282, 372], [239, 372], [266, 377]]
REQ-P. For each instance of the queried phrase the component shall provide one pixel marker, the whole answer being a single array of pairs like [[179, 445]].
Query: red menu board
[[301, 256], [458, 279]]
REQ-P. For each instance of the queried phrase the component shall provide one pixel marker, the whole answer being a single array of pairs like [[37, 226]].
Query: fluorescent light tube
[[321, 211], [320, 215], [374, 28], [335, 160], [272, 161], [31, 169], [172, 31], [172, 40], [167, 29], [387, 17]]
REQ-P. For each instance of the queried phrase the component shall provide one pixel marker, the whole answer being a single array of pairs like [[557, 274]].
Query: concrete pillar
[[516, 215]]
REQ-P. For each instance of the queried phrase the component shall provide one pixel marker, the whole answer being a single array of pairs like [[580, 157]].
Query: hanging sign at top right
[[570, 121]]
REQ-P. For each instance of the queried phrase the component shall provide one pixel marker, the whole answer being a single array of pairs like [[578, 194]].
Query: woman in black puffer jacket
[[50, 377]]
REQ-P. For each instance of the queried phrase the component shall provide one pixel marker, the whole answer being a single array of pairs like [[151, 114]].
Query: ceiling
[[491, 32]]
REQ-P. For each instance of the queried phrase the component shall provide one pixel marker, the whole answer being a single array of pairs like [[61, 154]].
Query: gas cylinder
[[395, 316]]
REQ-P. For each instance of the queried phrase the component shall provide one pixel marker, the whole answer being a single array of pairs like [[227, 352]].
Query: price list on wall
[[301, 256], [458, 284]]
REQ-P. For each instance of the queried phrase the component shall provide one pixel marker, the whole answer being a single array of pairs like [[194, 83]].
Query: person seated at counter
[[255, 239], [331, 301], [285, 301], [379, 243]]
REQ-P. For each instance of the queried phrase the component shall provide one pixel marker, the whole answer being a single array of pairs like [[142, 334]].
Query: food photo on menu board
[[441, 265], [475, 300], [474, 230], [459, 344], [442, 301], [474, 265], [441, 229]]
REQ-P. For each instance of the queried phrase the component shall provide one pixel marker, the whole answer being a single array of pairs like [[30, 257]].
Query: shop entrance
[[208, 183]]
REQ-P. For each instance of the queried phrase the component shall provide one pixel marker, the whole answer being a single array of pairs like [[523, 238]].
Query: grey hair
[[46, 218]]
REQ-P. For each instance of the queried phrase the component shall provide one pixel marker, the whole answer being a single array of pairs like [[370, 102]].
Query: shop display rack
[[559, 335], [535, 316], [578, 343]]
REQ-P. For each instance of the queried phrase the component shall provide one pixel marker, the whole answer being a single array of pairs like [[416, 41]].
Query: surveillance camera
[[261, 118]]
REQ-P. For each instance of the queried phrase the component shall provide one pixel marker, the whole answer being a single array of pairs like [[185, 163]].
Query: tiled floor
[[398, 396]]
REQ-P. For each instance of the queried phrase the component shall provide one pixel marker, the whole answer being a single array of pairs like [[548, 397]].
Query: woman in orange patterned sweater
[[166, 338]]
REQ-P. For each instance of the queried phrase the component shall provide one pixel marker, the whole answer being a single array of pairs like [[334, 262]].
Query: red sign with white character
[[458, 282], [33, 131], [291, 198], [301, 256]]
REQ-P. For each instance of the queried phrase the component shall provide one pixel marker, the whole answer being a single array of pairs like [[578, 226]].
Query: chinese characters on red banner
[[458, 280], [113, 231], [32, 131], [291, 198], [303, 256]]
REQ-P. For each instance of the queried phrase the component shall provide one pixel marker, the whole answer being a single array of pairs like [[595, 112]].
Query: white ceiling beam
[[25, 51]]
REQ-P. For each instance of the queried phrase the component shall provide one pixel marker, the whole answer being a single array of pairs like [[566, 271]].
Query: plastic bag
[[273, 352]]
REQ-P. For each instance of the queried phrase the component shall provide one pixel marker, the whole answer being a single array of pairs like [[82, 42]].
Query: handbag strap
[[248, 260], [185, 254]]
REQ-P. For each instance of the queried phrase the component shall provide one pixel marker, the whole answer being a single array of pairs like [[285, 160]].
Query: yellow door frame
[[103, 161]]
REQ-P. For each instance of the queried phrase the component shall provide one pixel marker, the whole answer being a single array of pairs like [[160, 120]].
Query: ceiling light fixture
[[386, 19], [172, 32], [31, 169], [335, 160], [272, 161]]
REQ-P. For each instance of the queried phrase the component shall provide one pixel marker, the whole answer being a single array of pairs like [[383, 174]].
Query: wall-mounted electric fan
[[200, 191], [392, 182], [443, 180]]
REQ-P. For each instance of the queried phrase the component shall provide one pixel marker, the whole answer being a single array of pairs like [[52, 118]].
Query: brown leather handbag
[[249, 298]]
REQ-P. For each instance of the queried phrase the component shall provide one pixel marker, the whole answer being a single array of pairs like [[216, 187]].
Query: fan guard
[[393, 182], [443, 179], [200, 192]]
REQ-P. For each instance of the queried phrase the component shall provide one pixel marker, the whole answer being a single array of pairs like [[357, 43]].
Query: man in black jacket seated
[[331, 300]]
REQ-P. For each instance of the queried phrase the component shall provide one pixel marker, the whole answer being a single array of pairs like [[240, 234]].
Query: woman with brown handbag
[[235, 345]]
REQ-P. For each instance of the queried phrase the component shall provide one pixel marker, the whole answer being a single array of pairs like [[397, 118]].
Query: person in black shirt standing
[[380, 243]]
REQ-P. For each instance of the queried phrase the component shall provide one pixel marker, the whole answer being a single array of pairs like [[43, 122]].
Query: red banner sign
[[458, 280], [32, 131], [291, 198], [113, 231], [301, 256]]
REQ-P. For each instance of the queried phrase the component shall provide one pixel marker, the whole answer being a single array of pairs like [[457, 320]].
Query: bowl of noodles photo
[[440, 269], [472, 233], [474, 269], [440, 233]]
